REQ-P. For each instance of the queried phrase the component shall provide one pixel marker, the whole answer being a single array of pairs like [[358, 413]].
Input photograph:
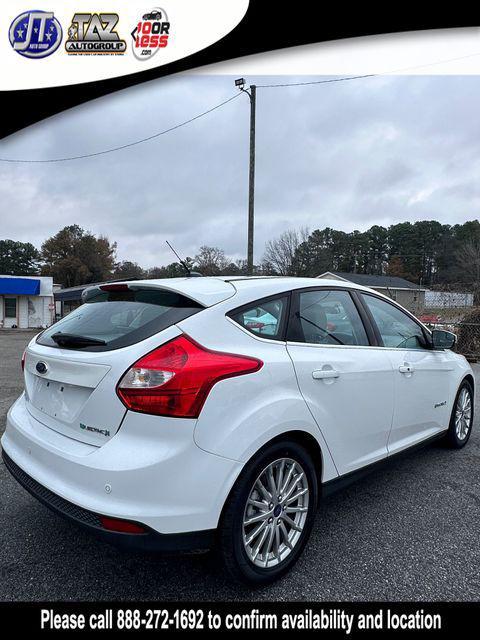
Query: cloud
[[347, 155]]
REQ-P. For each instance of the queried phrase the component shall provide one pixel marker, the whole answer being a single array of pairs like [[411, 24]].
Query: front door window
[[397, 330]]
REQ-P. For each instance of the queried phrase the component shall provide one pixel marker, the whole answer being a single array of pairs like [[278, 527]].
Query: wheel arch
[[304, 438], [312, 446], [469, 378]]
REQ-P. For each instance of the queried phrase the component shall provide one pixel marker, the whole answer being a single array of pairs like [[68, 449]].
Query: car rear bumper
[[151, 472], [91, 521]]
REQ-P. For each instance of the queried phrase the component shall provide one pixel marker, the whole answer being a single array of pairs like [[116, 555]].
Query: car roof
[[210, 290], [236, 291], [285, 283]]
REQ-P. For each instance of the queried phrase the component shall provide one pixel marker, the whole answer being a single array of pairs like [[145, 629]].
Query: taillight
[[175, 379], [23, 359]]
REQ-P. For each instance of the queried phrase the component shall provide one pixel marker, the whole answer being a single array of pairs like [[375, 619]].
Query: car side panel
[[242, 414], [424, 398], [423, 393], [354, 408]]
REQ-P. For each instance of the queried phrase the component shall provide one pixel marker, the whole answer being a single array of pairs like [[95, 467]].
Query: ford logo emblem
[[41, 367]]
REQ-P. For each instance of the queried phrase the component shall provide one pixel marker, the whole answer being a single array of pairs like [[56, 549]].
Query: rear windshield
[[120, 318]]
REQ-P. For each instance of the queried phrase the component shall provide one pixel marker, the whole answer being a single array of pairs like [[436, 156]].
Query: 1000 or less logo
[[151, 34], [94, 33]]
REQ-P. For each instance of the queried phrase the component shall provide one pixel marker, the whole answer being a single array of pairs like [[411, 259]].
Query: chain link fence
[[468, 337], [455, 307]]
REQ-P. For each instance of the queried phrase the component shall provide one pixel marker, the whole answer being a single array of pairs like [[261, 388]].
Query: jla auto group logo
[[35, 34], [151, 33], [94, 33]]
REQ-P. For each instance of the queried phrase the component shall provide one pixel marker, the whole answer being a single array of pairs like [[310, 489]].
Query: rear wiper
[[73, 340]]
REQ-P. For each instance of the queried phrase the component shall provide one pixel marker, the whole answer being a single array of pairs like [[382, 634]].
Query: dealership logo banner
[[63, 53], [104, 41]]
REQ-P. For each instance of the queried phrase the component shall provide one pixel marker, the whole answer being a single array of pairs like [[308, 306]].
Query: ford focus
[[197, 412]]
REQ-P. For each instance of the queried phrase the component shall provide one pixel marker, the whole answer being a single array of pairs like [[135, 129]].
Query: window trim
[[294, 322], [426, 334], [281, 335]]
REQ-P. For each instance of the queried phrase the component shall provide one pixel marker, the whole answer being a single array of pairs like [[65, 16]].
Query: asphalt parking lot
[[409, 531]]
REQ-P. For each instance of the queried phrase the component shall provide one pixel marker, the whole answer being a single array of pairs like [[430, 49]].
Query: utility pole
[[252, 94]]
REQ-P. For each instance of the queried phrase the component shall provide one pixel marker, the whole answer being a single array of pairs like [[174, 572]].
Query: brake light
[[114, 287], [175, 379], [24, 355]]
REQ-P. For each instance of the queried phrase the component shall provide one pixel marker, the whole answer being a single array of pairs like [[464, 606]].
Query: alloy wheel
[[275, 513], [463, 414]]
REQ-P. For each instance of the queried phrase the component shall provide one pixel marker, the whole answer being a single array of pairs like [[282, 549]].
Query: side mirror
[[443, 339]]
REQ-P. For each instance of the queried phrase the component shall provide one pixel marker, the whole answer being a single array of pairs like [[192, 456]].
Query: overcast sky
[[347, 155]]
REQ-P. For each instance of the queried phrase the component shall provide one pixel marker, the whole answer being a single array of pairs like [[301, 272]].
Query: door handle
[[322, 374], [406, 368]]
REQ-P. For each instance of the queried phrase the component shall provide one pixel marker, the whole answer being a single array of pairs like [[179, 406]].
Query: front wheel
[[461, 420], [269, 514]]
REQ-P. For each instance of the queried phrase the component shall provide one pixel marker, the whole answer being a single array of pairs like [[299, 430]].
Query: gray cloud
[[348, 155]]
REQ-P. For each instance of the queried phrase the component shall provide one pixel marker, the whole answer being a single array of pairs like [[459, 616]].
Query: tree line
[[74, 256], [425, 252]]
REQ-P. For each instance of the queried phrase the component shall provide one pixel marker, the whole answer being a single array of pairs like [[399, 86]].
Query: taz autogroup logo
[[150, 34], [94, 33], [35, 34]]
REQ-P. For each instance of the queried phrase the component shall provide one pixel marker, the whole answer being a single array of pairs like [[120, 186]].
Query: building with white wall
[[408, 294], [26, 302]]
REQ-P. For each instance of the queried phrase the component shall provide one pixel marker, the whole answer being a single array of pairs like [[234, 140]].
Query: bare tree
[[468, 258], [211, 261], [279, 256]]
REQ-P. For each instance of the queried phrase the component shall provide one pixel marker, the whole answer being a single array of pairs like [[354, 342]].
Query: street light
[[252, 94]]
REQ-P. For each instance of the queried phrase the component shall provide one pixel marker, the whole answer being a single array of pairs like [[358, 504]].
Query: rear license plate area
[[57, 399]]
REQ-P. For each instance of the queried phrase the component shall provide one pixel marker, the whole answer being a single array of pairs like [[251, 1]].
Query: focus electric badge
[[35, 34]]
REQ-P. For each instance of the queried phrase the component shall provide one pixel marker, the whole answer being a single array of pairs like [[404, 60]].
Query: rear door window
[[120, 318], [265, 318]]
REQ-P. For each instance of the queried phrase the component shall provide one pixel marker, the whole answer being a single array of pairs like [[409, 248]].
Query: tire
[[457, 435], [234, 531]]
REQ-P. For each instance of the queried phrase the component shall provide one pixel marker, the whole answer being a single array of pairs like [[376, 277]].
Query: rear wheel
[[461, 420], [269, 514]]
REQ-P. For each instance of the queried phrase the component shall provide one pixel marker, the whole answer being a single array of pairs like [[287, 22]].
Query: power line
[[123, 146], [221, 104], [368, 75], [303, 84], [161, 133]]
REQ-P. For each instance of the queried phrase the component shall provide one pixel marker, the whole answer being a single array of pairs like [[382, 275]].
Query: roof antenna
[[190, 273]]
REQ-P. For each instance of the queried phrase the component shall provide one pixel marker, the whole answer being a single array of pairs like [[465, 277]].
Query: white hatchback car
[[198, 412]]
